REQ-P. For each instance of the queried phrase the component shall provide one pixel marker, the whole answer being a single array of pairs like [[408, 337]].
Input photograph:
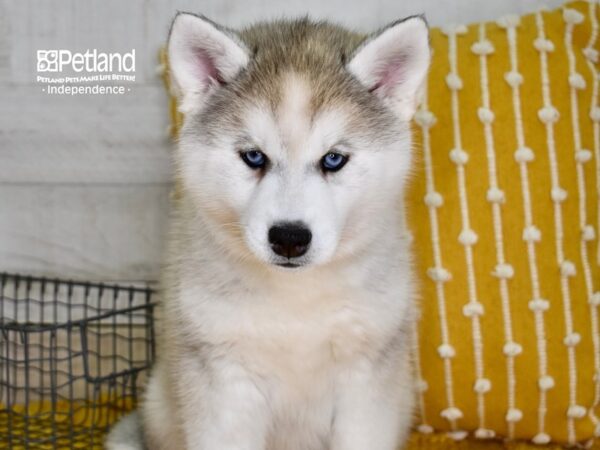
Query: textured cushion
[[439, 441], [504, 208]]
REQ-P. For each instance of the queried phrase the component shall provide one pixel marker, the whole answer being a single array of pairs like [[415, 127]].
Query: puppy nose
[[290, 239]]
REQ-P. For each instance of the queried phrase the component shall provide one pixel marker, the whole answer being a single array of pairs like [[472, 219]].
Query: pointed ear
[[393, 64], [202, 56]]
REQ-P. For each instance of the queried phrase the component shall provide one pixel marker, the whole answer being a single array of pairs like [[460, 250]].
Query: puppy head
[[295, 144]]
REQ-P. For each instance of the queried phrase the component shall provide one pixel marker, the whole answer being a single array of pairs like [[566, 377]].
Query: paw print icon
[[47, 60]]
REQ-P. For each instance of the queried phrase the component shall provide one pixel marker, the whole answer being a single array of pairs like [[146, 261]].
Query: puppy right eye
[[333, 161], [255, 159]]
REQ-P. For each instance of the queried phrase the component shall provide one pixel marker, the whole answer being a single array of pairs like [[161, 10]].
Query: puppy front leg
[[221, 409], [373, 410]]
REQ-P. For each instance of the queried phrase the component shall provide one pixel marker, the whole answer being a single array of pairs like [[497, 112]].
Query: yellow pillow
[[504, 208]]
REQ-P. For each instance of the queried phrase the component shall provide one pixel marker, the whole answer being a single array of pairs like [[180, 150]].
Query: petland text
[[90, 61]]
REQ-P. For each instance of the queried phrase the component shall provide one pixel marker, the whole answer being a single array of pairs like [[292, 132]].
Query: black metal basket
[[72, 358]]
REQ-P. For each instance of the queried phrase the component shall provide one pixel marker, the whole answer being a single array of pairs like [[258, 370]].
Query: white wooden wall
[[84, 180]]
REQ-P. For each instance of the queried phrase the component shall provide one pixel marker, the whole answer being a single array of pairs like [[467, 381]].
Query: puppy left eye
[[255, 159], [333, 161]]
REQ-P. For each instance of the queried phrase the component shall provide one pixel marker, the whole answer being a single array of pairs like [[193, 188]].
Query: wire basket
[[72, 357]]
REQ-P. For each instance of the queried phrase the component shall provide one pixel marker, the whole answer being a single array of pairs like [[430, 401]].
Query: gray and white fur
[[288, 293]]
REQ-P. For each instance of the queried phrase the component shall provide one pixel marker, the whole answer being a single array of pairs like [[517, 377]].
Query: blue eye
[[333, 161], [255, 159]]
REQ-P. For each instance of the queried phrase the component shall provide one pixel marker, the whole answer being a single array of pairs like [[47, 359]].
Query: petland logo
[[91, 61], [63, 72]]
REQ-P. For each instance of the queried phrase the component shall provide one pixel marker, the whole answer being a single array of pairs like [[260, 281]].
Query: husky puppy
[[288, 289]]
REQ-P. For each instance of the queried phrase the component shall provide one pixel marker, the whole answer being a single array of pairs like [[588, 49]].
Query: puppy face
[[295, 144]]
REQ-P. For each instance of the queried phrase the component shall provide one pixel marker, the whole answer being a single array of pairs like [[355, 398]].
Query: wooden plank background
[[84, 180]]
